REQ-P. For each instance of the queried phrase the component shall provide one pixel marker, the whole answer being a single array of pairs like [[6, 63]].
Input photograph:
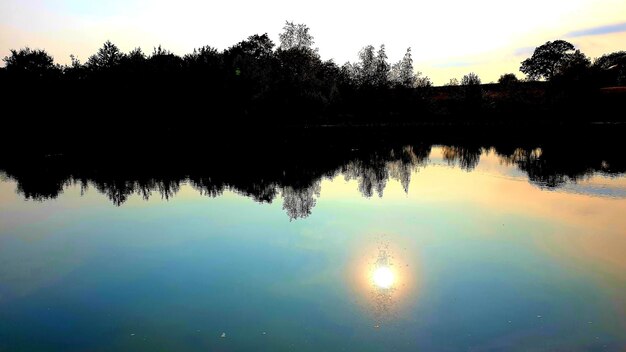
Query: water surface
[[442, 249]]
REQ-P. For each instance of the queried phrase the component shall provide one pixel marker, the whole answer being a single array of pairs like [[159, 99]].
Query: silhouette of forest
[[265, 119], [117, 96], [294, 165]]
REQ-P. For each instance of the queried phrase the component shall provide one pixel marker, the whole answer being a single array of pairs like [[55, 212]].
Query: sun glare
[[383, 277]]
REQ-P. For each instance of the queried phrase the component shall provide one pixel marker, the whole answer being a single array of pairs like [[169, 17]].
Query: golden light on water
[[383, 277]]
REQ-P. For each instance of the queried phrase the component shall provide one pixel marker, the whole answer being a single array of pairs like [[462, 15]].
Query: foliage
[[548, 60], [453, 82], [608, 61], [365, 71], [612, 68], [30, 63], [472, 91], [373, 71], [470, 79], [381, 74], [254, 78], [575, 66], [295, 36], [107, 57], [402, 74], [507, 79], [164, 61]]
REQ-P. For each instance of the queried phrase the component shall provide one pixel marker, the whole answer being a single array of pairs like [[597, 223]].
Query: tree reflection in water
[[296, 174]]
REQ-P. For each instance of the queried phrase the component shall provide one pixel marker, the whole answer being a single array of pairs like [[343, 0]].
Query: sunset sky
[[449, 38]]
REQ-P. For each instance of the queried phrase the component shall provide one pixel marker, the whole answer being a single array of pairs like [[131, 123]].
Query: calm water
[[434, 251]]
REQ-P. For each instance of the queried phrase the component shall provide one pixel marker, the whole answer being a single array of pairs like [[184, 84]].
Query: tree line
[[290, 83]]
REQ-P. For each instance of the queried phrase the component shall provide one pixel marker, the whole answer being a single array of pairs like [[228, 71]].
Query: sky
[[449, 38]]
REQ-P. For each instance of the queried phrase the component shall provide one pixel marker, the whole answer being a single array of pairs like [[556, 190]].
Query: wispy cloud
[[600, 30], [527, 50]]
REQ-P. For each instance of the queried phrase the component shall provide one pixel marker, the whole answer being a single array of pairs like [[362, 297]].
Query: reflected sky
[[460, 259]]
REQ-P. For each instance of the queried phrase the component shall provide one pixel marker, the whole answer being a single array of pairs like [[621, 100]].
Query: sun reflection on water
[[383, 275], [384, 278]]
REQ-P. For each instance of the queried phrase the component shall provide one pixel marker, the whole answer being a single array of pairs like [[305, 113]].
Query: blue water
[[481, 261]]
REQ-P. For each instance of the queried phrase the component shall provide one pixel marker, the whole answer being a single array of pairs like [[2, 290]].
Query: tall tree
[[107, 57], [295, 36], [548, 59], [575, 65], [251, 59], [381, 77], [366, 68], [402, 73]]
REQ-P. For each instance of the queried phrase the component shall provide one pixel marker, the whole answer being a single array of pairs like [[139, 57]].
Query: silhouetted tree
[[611, 68], [422, 81], [30, 63], [472, 90], [248, 57], [453, 82], [548, 60], [253, 79], [381, 75], [365, 70], [295, 36], [575, 66], [203, 57], [135, 61], [507, 79], [163, 61], [75, 70], [607, 61], [249, 72], [470, 79], [306, 83], [350, 73], [258, 46], [511, 96], [206, 67], [372, 70], [402, 74], [107, 57]]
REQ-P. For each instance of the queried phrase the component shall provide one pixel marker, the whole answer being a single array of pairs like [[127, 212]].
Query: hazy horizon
[[448, 39]]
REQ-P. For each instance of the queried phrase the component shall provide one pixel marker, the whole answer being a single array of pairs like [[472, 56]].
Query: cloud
[[600, 30], [525, 51]]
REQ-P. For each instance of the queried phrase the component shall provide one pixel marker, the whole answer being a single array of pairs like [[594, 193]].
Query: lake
[[411, 247]]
